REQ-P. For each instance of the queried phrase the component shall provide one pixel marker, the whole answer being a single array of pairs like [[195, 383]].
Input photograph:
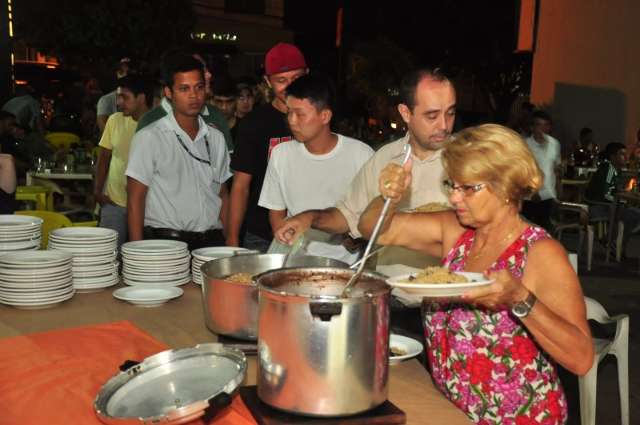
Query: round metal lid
[[172, 387]]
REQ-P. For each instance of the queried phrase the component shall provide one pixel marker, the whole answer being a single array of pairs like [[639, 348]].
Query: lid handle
[[325, 311], [220, 401], [128, 364]]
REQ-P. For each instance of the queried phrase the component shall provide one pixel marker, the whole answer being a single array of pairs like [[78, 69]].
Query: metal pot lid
[[172, 387]]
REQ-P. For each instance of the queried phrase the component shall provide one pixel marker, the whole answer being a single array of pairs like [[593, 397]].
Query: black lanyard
[[206, 143]]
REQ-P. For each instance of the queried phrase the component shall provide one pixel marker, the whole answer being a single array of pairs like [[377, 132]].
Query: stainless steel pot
[[231, 308], [319, 354]]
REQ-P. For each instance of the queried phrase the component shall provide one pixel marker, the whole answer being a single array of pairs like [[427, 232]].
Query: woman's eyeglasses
[[464, 189]]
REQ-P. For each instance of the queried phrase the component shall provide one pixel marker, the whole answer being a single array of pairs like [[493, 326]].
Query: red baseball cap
[[283, 57]]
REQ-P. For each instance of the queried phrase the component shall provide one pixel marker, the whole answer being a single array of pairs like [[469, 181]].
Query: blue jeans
[[115, 217]]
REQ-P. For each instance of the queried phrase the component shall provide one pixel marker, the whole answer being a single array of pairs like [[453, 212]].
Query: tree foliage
[[96, 33]]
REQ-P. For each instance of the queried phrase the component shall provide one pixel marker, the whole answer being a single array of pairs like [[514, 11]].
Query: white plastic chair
[[619, 347]]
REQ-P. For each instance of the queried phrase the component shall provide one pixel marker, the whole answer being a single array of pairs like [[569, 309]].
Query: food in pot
[[433, 207], [397, 351], [436, 275], [240, 278]]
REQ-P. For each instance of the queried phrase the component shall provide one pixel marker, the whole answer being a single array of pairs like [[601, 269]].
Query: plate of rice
[[438, 282]]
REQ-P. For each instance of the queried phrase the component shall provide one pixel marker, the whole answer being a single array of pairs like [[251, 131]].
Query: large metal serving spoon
[[374, 236]]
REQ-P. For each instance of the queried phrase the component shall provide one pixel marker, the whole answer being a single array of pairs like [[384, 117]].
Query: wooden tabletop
[[180, 323]]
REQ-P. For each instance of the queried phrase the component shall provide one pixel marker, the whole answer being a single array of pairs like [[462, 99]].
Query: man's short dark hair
[[138, 84], [5, 116], [410, 83], [175, 62], [584, 131], [316, 88], [224, 86], [541, 115], [612, 149]]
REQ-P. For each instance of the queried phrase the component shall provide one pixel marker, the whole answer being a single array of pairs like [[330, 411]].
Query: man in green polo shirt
[[209, 114]]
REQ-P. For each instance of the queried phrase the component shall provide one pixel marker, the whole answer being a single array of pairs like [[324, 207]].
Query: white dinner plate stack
[[35, 279], [94, 252], [202, 255], [19, 233], [156, 262]]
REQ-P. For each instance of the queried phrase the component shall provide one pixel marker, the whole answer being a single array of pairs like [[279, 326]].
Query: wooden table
[[180, 323], [631, 199]]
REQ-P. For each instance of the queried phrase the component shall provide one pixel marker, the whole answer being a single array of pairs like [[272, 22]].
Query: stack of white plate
[[202, 255], [19, 233], [156, 262], [35, 279], [94, 252]]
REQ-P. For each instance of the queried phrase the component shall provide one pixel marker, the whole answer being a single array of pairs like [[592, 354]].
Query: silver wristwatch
[[523, 308]]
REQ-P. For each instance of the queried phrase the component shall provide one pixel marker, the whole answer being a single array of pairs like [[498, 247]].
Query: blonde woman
[[492, 352]]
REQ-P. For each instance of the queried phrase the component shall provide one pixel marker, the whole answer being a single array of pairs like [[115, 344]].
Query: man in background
[[546, 150], [428, 107], [315, 170], [261, 131], [210, 114], [179, 165], [135, 96], [108, 104]]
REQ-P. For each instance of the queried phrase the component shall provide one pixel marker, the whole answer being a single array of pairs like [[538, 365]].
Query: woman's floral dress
[[485, 361]]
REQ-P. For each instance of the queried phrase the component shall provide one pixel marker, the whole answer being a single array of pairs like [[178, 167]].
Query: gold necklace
[[482, 251]]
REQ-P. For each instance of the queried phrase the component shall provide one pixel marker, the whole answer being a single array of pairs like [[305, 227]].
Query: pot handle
[[324, 310]]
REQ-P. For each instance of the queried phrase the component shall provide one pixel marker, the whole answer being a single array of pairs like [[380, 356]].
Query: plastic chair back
[[51, 221]]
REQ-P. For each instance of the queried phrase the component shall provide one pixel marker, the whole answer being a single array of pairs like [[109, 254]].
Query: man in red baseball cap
[[262, 129]]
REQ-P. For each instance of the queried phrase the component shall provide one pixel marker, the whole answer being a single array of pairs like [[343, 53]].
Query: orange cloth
[[53, 377]]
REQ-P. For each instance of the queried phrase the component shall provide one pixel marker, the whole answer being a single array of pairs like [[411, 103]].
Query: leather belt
[[162, 233]]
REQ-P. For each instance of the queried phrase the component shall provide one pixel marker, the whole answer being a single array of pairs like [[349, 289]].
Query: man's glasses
[[464, 189]]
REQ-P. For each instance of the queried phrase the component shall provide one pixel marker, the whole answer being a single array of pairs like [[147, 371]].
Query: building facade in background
[[585, 65]]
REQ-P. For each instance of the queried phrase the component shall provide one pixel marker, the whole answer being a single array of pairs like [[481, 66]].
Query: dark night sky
[[457, 32]]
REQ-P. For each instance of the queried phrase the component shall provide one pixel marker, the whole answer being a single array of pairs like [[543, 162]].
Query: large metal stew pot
[[320, 354], [231, 308]]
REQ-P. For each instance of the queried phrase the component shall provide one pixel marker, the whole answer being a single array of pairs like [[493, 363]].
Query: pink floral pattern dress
[[485, 361]]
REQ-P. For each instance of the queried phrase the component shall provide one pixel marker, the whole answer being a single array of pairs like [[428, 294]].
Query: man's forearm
[[329, 220], [136, 200], [224, 209], [102, 169], [237, 210], [135, 218]]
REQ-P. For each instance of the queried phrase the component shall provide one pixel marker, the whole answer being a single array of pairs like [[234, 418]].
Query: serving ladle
[[406, 150]]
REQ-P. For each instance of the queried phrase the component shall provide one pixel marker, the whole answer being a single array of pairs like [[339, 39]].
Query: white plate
[[409, 345], [153, 247], [177, 282], [439, 289], [213, 252], [28, 289], [83, 233], [32, 234], [156, 262], [148, 296], [44, 303], [94, 260], [93, 247], [10, 296], [8, 274], [94, 280], [157, 277], [34, 259], [163, 258], [15, 222]]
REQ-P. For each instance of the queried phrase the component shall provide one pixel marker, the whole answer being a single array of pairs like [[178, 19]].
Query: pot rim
[[336, 270]]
